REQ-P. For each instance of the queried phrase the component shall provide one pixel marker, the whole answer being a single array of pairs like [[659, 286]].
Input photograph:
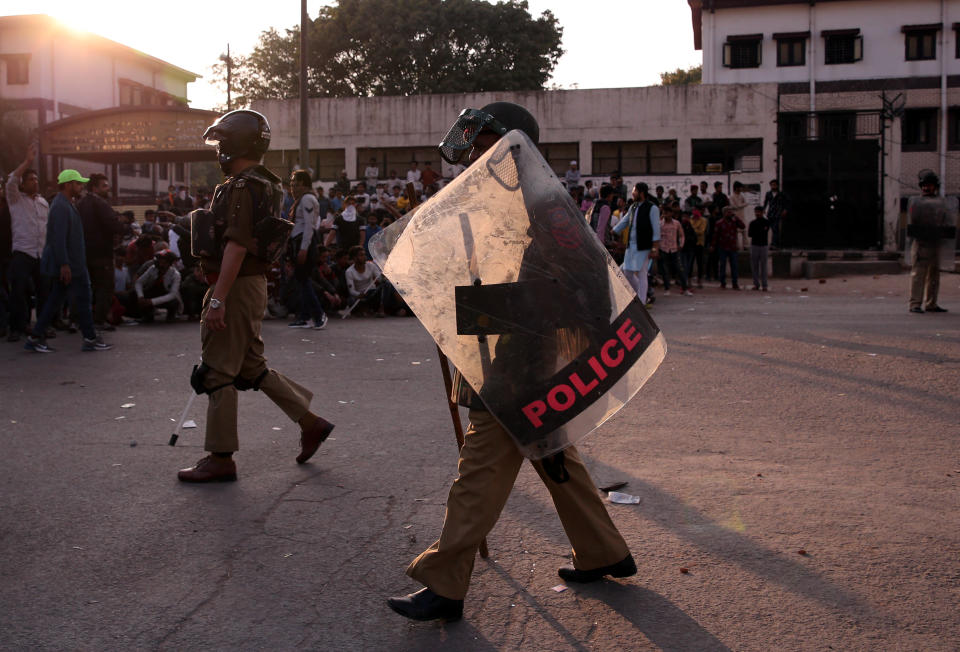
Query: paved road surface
[[819, 417]]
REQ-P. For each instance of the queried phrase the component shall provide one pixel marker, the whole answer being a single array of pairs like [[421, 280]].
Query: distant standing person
[[759, 233], [371, 173], [28, 229], [65, 260], [643, 241], [739, 204], [776, 203], [725, 242], [572, 175], [928, 224], [100, 224]]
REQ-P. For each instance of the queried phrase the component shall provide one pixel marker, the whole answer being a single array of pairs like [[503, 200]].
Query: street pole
[[229, 81], [304, 148]]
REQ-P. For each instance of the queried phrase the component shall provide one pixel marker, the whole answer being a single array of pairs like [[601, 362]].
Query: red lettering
[[609, 360], [626, 332], [571, 398], [534, 411], [580, 387], [597, 368]]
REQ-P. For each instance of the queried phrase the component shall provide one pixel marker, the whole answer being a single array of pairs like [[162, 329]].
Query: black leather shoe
[[623, 568], [427, 605], [936, 309]]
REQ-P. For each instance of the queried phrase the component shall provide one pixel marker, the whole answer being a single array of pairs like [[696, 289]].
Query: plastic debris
[[276, 428], [127, 406], [190, 423], [623, 499], [560, 588]]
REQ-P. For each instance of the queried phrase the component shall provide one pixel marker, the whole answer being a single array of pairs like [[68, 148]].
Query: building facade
[[49, 72], [868, 94]]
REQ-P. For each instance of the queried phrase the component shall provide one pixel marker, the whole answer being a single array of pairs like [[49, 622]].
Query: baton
[[183, 417]]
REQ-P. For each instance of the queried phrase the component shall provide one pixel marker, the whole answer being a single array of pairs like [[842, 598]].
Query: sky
[[607, 43]]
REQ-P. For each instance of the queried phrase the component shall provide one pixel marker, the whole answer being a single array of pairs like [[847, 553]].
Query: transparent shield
[[934, 220], [502, 270]]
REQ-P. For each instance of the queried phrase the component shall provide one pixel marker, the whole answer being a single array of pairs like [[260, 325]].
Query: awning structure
[[131, 134]]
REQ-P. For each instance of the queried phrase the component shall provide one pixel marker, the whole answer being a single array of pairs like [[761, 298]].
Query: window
[[559, 155], [920, 42], [956, 39], [742, 51], [326, 163], [837, 126], [953, 128], [793, 127], [396, 158], [919, 130], [635, 157], [162, 171], [134, 170], [791, 49], [842, 46], [180, 171], [18, 68], [726, 154]]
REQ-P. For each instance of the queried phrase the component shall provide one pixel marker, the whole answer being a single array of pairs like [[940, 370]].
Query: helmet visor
[[464, 131]]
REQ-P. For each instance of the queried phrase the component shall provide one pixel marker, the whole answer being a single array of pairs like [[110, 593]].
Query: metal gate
[[831, 173]]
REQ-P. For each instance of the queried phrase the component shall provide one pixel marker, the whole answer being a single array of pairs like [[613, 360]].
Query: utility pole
[[304, 146], [227, 60]]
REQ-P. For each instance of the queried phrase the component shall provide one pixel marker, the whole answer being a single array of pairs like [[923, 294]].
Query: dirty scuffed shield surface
[[934, 219], [504, 273]]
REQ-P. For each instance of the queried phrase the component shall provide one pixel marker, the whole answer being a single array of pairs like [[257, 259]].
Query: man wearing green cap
[[64, 258]]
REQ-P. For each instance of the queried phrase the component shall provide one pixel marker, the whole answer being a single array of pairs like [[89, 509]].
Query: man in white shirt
[[28, 225], [371, 173], [305, 211], [414, 175], [572, 176], [159, 287], [363, 280]]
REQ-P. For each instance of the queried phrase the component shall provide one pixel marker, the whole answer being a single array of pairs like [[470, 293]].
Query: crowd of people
[[660, 239], [138, 272]]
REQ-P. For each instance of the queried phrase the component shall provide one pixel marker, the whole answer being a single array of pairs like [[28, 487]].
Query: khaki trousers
[[489, 463], [238, 350], [924, 276]]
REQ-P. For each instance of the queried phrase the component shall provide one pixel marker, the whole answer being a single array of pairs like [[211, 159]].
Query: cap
[[71, 175], [573, 162]]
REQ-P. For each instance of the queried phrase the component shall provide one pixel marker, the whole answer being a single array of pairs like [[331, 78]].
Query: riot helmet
[[928, 177], [498, 117], [238, 134]]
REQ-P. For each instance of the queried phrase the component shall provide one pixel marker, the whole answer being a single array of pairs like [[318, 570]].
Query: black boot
[[623, 568], [427, 605]]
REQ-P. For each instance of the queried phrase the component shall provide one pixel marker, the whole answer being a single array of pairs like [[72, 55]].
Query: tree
[[680, 77], [405, 47]]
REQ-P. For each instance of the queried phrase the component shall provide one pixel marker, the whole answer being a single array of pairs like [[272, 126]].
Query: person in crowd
[[192, 290], [28, 233], [599, 216], [64, 259], [694, 249], [400, 200], [672, 196], [694, 200], [429, 177], [719, 198], [336, 200], [619, 188], [572, 176], [341, 262], [371, 229], [287, 197], [712, 255], [101, 228], [776, 205], [323, 211], [362, 198], [671, 243], [371, 173], [303, 245], [929, 224], [658, 199], [642, 225], [363, 279], [347, 225], [157, 287], [705, 196], [725, 242], [343, 183], [394, 180], [183, 202], [324, 280], [590, 191], [759, 233], [739, 203], [414, 176]]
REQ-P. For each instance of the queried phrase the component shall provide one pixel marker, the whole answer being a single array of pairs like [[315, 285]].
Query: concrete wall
[[879, 22], [681, 113]]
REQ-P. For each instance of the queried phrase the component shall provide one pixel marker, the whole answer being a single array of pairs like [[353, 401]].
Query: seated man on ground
[[157, 287]]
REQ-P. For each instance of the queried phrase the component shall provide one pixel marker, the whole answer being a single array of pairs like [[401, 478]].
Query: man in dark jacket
[[100, 224], [65, 260]]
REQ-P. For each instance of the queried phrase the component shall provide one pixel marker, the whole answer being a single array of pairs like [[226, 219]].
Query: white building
[[867, 90], [49, 71]]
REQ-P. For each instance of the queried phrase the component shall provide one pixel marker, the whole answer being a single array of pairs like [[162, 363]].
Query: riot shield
[[934, 220], [504, 273]]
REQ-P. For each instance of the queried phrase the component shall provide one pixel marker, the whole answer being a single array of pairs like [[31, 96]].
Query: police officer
[[236, 241], [928, 219], [490, 460]]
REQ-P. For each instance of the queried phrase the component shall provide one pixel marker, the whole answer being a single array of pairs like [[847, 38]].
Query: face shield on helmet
[[464, 131]]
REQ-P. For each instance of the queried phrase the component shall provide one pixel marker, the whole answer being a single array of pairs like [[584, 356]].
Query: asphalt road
[[820, 418]]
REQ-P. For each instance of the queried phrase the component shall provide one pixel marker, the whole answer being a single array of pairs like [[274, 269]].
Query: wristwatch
[[216, 303]]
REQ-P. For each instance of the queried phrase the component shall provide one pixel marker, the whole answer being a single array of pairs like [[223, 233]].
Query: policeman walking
[[236, 240], [490, 458], [931, 225]]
